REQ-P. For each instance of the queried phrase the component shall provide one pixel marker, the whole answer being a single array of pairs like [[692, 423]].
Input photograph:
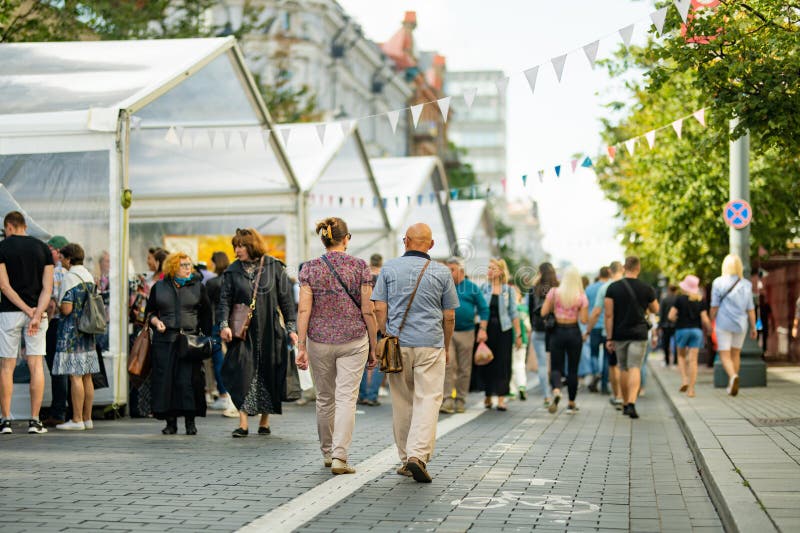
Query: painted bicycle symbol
[[561, 505]]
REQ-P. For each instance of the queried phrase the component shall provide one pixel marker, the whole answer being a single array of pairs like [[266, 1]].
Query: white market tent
[[415, 189], [334, 173], [82, 122], [476, 237]]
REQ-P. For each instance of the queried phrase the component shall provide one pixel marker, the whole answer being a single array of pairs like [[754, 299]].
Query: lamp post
[[753, 371]]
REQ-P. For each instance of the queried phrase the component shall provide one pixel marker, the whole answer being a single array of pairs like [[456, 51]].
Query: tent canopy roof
[[467, 216]]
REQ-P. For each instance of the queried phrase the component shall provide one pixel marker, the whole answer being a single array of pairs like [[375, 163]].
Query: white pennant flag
[[700, 115], [658, 18], [469, 96], [243, 136], [416, 112], [180, 131], [190, 135], [651, 138], [683, 8], [591, 52], [443, 197], [558, 65], [394, 117], [321, 132], [285, 134], [347, 126], [226, 136], [265, 138], [626, 33], [678, 127], [531, 74], [502, 85], [444, 107], [172, 137], [630, 144], [212, 135]]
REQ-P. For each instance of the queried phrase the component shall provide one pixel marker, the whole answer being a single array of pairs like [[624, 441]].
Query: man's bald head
[[419, 238]]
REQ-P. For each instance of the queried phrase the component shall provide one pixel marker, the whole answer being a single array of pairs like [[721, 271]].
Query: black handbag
[[193, 347]]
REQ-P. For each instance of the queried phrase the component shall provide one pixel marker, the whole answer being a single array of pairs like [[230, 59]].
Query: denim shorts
[[689, 338]]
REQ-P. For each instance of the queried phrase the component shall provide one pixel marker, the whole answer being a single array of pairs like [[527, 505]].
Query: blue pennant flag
[[432, 197], [587, 162], [558, 170], [453, 194], [419, 199], [385, 202], [524, 180], [375, 201]]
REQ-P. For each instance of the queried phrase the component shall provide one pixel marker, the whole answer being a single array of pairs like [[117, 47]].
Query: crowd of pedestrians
[[242, 320]]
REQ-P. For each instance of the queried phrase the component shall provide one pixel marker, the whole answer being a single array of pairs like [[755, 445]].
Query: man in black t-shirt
[[627, 303], [26, 281]]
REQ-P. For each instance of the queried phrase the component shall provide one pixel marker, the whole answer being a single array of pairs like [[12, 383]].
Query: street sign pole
[[753, 372]]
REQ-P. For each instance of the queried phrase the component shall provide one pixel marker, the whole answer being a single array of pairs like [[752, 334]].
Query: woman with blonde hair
[[336, 318], [178, 303], [688, 313], [732, 307], [569, 304], [503, 315]]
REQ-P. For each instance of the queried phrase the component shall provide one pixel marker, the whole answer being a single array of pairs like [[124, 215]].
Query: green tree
[[671, 197]]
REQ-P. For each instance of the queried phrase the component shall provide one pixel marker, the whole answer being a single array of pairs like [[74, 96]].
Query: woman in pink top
[[569, 304], [335, 316]]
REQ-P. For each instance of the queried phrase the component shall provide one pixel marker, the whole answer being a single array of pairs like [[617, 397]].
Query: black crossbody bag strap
[[633, 295], [729, 291], [336, 275]]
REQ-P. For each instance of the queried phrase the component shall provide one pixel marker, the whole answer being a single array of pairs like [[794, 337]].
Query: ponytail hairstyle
[[332, 231]]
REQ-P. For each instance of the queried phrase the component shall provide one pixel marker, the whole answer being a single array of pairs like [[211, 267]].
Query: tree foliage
[[671, 197]]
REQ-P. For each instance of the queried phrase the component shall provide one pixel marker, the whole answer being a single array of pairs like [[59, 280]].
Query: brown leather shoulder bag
[[242, 314]]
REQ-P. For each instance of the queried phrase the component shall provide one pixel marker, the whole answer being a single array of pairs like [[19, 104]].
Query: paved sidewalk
[[748, 447], [516, 471]]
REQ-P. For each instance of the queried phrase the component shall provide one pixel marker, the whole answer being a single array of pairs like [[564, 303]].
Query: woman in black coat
[[178, 302], [254, 371]]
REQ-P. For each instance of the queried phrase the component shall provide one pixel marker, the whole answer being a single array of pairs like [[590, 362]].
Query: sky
[[547, 127]]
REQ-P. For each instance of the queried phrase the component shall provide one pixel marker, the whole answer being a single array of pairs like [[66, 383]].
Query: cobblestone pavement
[[516, 471]]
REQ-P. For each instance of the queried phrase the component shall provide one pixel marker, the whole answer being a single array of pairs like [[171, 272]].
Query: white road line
[[302, 509]]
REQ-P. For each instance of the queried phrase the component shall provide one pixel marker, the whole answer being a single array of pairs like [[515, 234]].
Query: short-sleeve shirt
[[689, 312], [563, 312], [25, 259], [335, 317], [471, 303], [732, 313], [436, 292], [600, 301], [630, 323]]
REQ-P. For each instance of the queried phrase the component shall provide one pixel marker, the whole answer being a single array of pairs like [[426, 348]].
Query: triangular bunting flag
[[444, 107], [453, 194], [191, 134], [591, 52], [265, 138], [416, 112], [172, 137], [420, 199], [683, 8], [394, 117], [626, 33], [558, 170], [502, 85], [612, 152], [181, 132], [524, 180], [587, 163], [321, 128], [243, 137], [432, 197], [443, 197], [558, 65], [469, 96], [541, 176], [361, 201], [226, 136], [212, 135], [678, 126], [352, 201], [630, 144], [658, 18], [285, 134], [651, 138], [574, 165], [700, 115], [341, 201], [408, 200], [531, 74]]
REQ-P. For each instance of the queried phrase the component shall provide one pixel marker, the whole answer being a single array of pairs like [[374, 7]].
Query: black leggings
[[566, 342]]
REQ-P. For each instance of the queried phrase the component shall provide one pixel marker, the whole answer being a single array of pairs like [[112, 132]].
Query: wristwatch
[[223, 324]]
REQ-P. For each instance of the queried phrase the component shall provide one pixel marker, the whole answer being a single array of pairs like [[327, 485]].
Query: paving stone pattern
[[525, 469]]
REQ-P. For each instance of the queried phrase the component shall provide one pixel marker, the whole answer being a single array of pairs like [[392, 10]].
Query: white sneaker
[[383, 392], [88, 424], [231, 412], [220, 404], [69, 425]]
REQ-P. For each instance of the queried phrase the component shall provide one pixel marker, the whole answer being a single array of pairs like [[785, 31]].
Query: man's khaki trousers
[[416, 398]]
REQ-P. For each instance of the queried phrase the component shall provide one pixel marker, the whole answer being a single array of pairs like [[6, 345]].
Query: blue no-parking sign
[[737, 214]]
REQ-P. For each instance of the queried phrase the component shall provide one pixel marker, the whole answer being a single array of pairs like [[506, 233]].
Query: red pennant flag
[[612, 152], [574, 164]]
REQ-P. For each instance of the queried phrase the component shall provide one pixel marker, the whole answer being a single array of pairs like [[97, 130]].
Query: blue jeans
[[537, 340], [59, 384], [217, 358], [596, 343], [369, 391], [644, 365]]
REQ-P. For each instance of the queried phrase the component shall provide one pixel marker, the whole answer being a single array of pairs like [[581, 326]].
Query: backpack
[[93, 316]]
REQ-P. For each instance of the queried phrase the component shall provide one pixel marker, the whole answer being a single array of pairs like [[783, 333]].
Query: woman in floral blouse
[[75, 351], [336, 318]]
